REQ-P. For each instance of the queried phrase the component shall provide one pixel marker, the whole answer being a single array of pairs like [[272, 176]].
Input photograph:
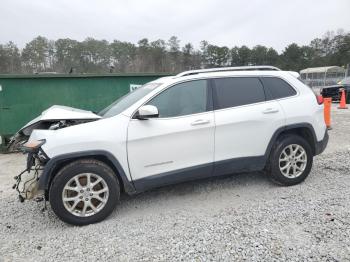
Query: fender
[[47, 175], [291, 127]]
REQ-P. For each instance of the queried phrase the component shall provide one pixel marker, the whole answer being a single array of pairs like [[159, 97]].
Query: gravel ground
[[241, 217]]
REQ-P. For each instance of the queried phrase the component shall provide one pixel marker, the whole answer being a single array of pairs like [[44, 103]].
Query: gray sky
[[273, 23]]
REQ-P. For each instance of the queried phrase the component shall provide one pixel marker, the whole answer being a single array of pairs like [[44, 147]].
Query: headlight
[[33, 145]]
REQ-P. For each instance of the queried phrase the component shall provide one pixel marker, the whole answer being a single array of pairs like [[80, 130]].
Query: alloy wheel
[[85, 194], [292, 161]]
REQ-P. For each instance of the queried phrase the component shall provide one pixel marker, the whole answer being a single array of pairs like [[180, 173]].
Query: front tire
[[290, 160], [85, 191]]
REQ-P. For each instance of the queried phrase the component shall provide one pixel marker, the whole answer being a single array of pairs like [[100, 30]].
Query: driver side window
[[182, 99]]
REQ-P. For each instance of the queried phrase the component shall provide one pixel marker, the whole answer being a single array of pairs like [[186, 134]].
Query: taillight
[[319, 99]]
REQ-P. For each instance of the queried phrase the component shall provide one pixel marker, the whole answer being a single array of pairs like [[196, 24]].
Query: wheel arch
[[58, 162], [304, 130]]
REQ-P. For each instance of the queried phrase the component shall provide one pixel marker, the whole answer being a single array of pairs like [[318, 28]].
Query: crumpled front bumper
[[27, 182], [28, 186]]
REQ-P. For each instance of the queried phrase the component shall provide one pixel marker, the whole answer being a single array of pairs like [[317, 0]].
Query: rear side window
[[277, 88], [237, 91]]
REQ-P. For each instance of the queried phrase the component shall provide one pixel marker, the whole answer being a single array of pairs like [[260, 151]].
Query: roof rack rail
[[224, 69]]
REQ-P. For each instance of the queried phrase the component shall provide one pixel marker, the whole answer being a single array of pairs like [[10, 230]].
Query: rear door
[[245, 123]]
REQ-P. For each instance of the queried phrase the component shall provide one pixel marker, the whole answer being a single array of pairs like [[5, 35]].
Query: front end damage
[[25, 140], [27, 182], [22, 136], [56, 117]]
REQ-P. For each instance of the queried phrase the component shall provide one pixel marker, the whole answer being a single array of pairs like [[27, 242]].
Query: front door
[[179, 144]]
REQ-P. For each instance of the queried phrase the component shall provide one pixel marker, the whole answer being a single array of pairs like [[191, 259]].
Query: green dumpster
[[23, 97]]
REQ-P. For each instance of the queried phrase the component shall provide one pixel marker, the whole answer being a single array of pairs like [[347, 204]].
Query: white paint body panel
[[161, 145], [109, 134], [245, 131], [303, 108]]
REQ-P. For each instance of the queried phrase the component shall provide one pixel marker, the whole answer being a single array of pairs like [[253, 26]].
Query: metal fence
[[322, 76]]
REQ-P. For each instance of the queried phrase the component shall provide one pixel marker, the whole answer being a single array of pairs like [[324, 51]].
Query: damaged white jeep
[[197, 124]]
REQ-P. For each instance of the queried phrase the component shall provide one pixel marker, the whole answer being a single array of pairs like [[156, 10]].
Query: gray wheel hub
[[292, 161], [85, 194]]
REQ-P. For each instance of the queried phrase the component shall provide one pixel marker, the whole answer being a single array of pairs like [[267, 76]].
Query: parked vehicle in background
[[334, 90], [345, 81], [197, 124]]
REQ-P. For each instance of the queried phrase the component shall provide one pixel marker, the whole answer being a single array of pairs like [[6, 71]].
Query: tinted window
[[277, 88], [182, 99], [238, 91]]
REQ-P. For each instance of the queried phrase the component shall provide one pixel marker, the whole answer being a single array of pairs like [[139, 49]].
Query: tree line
[[101, 56]]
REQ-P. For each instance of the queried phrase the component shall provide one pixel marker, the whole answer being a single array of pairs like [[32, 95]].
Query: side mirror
[[147, 111]]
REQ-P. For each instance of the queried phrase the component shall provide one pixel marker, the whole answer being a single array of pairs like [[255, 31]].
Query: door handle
[[200, 122], [270, 111]]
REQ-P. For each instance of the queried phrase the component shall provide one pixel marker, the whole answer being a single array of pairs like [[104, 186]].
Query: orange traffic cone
[[342, 104], [327, 112]]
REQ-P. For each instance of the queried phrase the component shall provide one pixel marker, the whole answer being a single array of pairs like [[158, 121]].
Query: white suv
[[196, 124]]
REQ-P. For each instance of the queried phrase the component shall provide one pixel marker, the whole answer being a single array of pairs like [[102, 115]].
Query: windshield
[[129, 99]]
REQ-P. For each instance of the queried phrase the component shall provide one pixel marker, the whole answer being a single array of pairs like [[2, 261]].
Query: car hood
[[55, 113], [55, 117]]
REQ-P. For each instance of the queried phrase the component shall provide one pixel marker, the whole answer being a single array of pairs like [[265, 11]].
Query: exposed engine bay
[[23, 135], [55, 117]]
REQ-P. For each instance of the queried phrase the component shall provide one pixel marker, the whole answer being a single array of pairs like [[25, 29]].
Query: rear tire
[[85, 191], [290, 160]]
